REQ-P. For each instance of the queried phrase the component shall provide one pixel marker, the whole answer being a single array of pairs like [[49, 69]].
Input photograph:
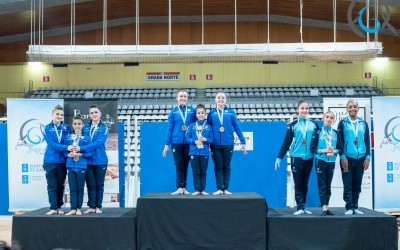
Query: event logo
[[392, 134], [383, 11], [31, 136]]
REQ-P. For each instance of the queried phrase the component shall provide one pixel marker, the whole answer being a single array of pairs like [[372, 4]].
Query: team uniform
[[179, 119], [199, 154], [97, 164], [356, 149], [298, 137], [325, 163], [223, 124], [77, 170], [54, 162]]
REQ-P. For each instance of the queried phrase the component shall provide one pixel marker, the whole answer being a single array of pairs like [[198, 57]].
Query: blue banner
[[254, 172]]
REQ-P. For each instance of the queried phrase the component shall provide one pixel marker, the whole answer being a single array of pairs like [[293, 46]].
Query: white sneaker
[[178, 191], [185, 191], [219, 192], [196, 193], [205, 193], [227, 192], [299, 212], [356, 211], [349, 212], [307, 212]]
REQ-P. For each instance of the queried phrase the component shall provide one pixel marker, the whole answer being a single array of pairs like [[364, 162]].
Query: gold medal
[[355, 142], [221, 129], [184, 128], [304, 143]]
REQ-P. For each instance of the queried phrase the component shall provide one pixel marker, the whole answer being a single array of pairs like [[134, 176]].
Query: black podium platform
[[186, 222], [115, 229], [372, 230]]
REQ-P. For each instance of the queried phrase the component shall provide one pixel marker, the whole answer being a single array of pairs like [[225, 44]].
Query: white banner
[[237, 146], [338, 107], [387, 153], [26, 119], [162, 76]]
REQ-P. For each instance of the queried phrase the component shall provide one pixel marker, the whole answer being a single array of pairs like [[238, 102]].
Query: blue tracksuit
[[301, 156], [176, 136], [356, 149], [325, 164], [97, 164], [55, 146], [77, 172], [230, 124], [98, 136], [191, 137], [54, 162], [199, 156], [222, 146]]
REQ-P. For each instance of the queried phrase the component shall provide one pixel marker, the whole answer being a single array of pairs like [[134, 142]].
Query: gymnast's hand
[[244, 149], [345, 165], [165, 151], [366, 164], [277, 163]]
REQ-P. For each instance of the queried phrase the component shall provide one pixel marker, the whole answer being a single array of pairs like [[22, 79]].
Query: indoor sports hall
[[187, 125]]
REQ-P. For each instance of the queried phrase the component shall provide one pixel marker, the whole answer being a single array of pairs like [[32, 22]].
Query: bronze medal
[[355, 142], [221, 129], [304, 143], [184, 128]]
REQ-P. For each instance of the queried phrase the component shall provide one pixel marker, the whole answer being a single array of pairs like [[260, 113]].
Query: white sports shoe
[[356, 211], [179, 191], [227, 192], [196, 193], [185, 191], [218, 192], [349, 212], [205, 193], [307, 212], [299, 212]]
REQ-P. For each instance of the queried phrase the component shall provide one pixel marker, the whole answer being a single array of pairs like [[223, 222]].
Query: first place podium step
[[189, 222]]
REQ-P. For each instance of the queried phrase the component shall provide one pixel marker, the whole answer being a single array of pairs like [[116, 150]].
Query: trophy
[[199, 129], [75, 139], [328, 138]]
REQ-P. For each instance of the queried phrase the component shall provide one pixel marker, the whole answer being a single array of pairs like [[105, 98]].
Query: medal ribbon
[[198, 131], [183, 116], [303, 129], [221, 116], [92, 131], [59, 135], [354, 128]]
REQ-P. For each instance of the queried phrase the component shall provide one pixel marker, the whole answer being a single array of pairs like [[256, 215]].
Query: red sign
[[209, 77], [192, 77], [367, 75]]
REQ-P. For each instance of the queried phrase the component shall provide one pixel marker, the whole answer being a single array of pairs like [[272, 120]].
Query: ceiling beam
[[185, 19]]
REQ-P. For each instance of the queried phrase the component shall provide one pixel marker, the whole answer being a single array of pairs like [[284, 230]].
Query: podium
[[186, 222], [115, 229]]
